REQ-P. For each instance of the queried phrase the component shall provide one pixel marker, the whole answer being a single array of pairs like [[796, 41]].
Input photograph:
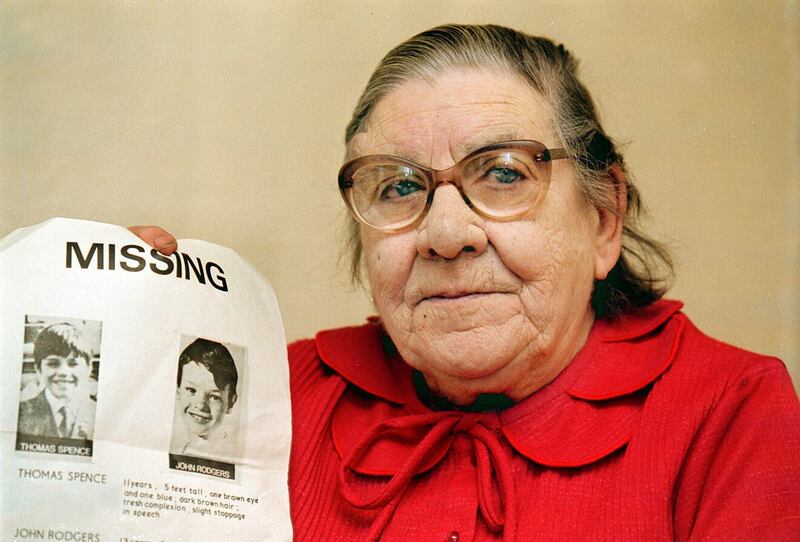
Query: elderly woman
[[524, 379]]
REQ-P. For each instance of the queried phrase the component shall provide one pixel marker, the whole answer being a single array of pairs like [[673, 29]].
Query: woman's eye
[[215, 398], [190, 390], [505, 175], [400, 189]]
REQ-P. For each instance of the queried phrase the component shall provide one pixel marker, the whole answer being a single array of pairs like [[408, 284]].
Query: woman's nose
[[451, 227], [203, 405]]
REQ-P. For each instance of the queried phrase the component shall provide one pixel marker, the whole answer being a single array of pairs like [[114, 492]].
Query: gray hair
[[644, 270]]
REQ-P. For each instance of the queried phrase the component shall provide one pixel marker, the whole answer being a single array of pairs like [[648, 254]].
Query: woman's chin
[[466, 353], [462, 378]]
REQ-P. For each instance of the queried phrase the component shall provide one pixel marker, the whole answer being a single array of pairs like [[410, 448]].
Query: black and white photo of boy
[[206, 397], [58, 399]]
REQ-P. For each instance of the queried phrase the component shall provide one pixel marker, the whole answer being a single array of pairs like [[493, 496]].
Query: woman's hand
[[156, 237]]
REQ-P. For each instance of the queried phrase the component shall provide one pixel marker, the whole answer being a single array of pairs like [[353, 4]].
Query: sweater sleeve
[[741, 480]]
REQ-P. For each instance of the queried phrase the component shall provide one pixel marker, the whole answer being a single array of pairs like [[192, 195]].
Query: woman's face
[[478, 305]]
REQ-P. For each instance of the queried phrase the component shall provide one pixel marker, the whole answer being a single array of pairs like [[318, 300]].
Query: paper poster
[[144, 397]]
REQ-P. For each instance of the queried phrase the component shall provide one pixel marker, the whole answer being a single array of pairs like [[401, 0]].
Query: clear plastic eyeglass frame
[[539, 155]]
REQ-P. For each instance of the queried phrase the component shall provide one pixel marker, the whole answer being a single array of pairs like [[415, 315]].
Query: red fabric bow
[[435, 433]]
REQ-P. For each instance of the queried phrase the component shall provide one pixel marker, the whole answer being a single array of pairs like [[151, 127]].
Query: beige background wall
[[224, 121]]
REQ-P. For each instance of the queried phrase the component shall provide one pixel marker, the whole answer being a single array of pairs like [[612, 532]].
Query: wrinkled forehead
[[438, 122]]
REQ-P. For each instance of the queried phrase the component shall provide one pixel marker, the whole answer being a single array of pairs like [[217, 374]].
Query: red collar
[[588, 412]]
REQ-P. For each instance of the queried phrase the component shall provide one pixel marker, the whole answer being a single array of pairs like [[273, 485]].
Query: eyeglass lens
[[499, 183]]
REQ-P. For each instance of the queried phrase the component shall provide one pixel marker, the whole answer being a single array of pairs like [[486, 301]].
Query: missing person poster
[[144, 397]]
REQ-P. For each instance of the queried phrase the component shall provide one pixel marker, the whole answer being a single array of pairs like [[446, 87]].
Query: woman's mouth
[[456, 295], [459, 296]]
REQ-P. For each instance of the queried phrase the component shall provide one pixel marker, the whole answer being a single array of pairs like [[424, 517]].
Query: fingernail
[[165, 243]]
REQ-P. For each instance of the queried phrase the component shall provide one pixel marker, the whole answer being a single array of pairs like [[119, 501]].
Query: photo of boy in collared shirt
[[63, 406]]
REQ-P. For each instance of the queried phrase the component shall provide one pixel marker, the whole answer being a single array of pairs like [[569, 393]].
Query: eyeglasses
[[502, 182]]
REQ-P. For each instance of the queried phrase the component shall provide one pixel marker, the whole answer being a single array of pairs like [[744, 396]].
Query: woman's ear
[[609, 225]]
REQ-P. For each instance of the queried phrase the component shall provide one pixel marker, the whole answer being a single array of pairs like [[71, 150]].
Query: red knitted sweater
[[653, 432]]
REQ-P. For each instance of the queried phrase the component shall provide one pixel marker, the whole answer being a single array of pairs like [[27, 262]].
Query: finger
[[156, 237]]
